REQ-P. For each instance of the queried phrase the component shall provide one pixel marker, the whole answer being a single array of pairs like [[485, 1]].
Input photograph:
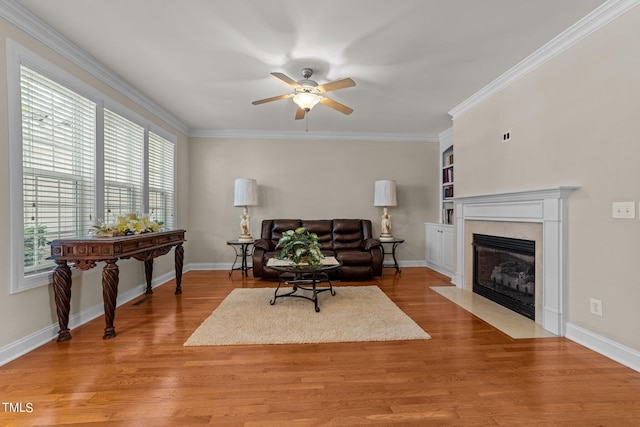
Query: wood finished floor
[[468, 374]]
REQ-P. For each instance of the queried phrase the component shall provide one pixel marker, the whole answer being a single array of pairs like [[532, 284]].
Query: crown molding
[[318, 135], [41, 31], [446, 138], [33, 26], [595, 20], [447, 133]]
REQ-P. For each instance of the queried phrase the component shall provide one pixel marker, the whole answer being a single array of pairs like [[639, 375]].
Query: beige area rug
[[355, 313]]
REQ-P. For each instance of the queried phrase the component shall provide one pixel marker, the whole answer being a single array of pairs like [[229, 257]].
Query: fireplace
[[504, 272], [545, 208]]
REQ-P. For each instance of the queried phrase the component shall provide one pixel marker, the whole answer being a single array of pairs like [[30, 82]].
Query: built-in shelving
[[440, 236], [447, 180]]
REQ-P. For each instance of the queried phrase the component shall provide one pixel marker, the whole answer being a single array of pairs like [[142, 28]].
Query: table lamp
[[385, 195], [245, 194]]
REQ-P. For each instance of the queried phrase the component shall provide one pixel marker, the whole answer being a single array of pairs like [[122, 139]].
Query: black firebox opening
[[504, 272]]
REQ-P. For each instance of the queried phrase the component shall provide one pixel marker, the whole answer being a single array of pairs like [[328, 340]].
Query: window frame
[[17, 56]]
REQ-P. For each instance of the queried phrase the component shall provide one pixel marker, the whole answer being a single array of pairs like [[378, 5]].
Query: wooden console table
[[85, 252]]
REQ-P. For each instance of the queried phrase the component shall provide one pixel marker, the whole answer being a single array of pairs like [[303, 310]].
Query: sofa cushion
[[279, 226], [347, 234], [351, 257], [322, 227], [355, 272]]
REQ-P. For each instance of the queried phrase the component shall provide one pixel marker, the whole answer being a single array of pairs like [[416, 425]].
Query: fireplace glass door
[[504, 272]]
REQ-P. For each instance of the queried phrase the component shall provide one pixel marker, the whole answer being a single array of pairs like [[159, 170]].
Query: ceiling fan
[[307, 93]]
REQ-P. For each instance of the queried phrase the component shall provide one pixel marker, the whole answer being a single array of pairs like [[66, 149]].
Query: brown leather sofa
[[349, 240]]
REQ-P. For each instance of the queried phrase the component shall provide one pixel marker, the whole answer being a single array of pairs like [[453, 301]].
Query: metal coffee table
[[303, 277]]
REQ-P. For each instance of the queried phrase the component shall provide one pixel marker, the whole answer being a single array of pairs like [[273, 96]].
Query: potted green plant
[[299, 245]]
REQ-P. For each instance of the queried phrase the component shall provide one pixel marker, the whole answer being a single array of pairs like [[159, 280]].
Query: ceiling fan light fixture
[[307, 93], [306, 100]]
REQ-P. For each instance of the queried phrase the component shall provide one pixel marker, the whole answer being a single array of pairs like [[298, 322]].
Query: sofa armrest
[[377, 257], [258, 261], [263, 244], [371, 243], [260, 247]]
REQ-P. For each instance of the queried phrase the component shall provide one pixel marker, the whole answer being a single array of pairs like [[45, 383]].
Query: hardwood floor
[[468, 374]]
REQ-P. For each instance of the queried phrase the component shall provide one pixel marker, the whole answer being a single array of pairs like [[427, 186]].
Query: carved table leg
[[109, 295], [62, 291], [148, 272], [179, 255]]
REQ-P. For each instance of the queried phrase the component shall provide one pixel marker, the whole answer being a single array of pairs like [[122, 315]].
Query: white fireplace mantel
[[547, 207]]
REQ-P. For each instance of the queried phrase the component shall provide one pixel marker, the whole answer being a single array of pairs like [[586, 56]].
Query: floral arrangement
[[130, 224], [299, 245]]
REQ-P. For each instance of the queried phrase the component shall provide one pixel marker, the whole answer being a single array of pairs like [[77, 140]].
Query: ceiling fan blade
[[338, 84], [335, 105], [275, 98], [300, 114], [288, 80]]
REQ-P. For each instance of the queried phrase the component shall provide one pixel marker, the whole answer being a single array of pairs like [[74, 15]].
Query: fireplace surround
[[543, 210]]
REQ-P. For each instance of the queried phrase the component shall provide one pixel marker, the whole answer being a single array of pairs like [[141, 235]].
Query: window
[[123, 163], [58, 157], [161, 179], [73, 162]]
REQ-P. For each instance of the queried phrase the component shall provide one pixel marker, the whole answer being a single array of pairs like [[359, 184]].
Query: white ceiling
[[204, 61]]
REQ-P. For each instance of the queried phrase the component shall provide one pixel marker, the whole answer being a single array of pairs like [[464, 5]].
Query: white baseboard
[[414, 263], [211, 266], [456, 279], [606, 347], [440, 270], [26, 344]]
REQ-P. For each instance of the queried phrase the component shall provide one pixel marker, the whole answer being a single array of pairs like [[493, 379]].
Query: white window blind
[[161, 180], [58, 164], [67, 169], [123, 166]]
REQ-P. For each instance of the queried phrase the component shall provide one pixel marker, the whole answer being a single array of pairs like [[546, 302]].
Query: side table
[[394, 244], [242, 251]]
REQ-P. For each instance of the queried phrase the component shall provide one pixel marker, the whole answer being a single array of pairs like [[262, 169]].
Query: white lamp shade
[[385, 193], [246, 192], [306, 100]]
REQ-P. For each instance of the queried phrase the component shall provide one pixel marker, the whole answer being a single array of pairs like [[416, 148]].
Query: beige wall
[[574, 121], [30, 311], [309, 179]]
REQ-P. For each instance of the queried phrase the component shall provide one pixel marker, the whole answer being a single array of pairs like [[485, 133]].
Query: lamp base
[[245, 227], [386, 237]]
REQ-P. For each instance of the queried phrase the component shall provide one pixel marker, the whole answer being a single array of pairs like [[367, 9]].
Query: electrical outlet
[[623, 210], [506, 137], [596, 306]]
